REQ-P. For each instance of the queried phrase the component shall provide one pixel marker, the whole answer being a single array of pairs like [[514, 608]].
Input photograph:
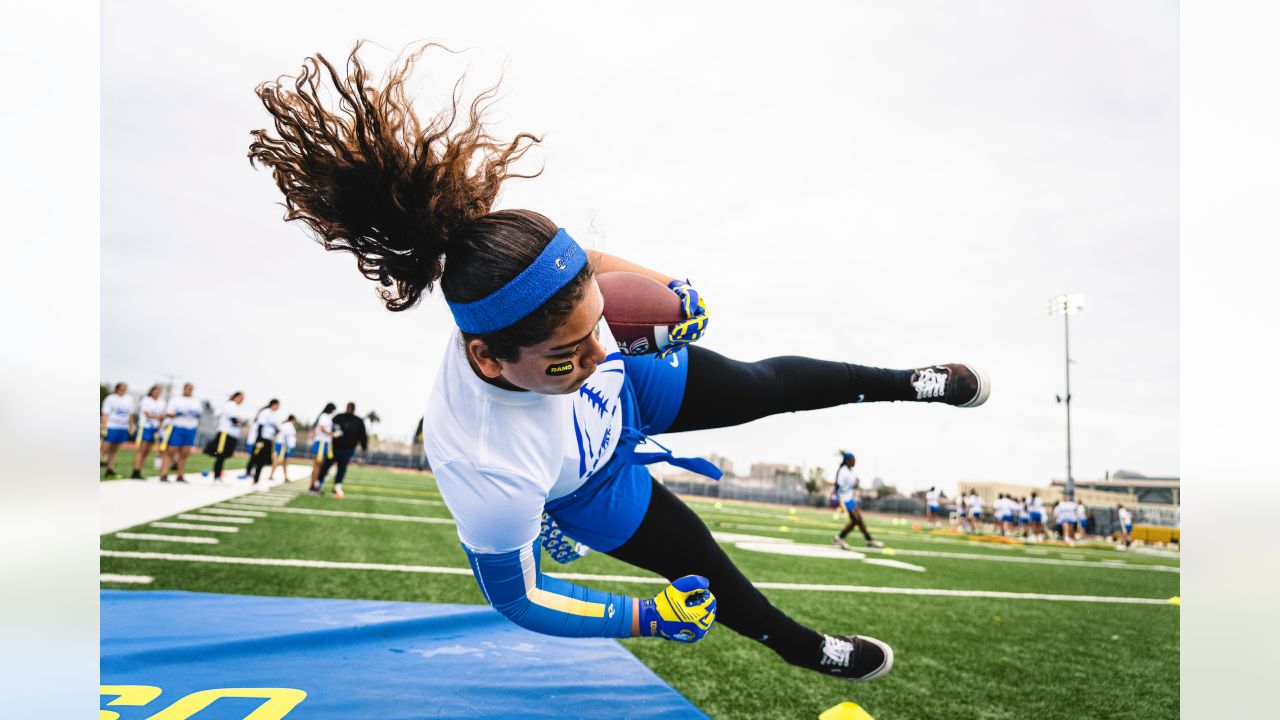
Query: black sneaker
[[954, 384], [135, 475], [164, 478], [181, 480], [110, 475], [854, 658]]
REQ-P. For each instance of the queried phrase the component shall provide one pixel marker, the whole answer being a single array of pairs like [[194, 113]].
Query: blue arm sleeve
[[514, 585]]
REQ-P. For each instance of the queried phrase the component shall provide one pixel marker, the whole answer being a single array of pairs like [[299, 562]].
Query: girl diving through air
[[534, 411]]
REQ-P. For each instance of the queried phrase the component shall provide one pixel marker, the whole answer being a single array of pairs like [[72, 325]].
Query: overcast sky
[[892, 184]]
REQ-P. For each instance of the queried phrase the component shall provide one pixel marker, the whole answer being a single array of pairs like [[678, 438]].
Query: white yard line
[[365, 516], [286, 562], [1104, 564], [193, 526], [191, 539], [405, 501], [206, 518], [113, 578], [237, 513], [329, 564]]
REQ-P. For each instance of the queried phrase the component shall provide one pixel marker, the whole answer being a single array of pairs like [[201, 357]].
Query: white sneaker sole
[[984, 387]]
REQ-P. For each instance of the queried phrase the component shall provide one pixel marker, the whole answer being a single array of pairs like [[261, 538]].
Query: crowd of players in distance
[[169, 428], [1023, 517], [1014, 517]]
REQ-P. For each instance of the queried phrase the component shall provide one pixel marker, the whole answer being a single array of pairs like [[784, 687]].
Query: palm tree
[[372, 417]]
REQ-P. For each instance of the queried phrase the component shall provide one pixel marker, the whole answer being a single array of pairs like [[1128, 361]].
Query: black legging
[[719, 392], [224, 447], [259, 457], [673, 542], [340, 458]]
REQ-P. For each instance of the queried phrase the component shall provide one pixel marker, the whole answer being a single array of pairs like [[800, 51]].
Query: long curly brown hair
[[400, 194]]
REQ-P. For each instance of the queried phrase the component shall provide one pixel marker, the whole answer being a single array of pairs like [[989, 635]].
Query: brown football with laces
[[640, 311]]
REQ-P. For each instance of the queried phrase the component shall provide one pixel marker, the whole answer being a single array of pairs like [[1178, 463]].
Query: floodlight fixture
[[1066, 304]]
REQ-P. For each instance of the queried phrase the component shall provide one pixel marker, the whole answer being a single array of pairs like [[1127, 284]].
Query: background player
[[846, 486], [932, 500], [261, 440], [184, 414], [231, 420], [321, 444], [150, 415], [117, 426], [975, 511], [1126, 526], [348, 433], [286, 439]]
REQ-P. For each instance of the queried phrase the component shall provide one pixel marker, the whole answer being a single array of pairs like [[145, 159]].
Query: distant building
[[1141, 490]]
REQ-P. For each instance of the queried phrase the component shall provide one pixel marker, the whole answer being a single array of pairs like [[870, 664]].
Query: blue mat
[[360, 659]]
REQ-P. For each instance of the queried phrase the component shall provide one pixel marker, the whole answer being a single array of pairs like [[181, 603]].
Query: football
[[640, 311]]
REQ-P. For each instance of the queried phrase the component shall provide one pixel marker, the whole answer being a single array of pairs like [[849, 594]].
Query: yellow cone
[[782, 528], [845, 711], [888, 551], [1176, 600]]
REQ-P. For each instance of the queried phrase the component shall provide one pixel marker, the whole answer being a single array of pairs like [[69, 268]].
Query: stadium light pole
[[1066, 306]]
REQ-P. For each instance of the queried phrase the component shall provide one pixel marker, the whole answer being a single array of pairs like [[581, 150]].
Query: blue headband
[[559, 263]]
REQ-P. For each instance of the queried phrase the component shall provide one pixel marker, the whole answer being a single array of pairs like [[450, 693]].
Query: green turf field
[[957, 657]]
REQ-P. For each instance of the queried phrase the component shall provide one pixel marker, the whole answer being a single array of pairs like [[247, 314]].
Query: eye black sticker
[[561, 368]]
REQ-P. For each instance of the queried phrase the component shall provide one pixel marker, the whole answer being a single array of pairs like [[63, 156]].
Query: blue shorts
[[1128, 528], [281, 449], [1023, 519], [322, 449], [115, 436], [1005, 518], [147, 435], [606, 511], [182, 437], [851, 504], [933, 508], [1037, 517], [976, 514]]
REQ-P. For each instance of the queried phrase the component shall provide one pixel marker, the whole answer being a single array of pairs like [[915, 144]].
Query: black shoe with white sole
[[953, 383], [854, 658]]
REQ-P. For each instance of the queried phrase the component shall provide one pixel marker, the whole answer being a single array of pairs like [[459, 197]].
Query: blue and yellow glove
[[695, 312], [558, 545], [683, 612]]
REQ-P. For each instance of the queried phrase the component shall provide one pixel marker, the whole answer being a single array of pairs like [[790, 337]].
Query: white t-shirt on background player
[[288, 434], [186, 411], [846, 483], [117, 408], [932, 497], [229, 412], [499, 455], [150, 406], [264, 425], [323, 431]]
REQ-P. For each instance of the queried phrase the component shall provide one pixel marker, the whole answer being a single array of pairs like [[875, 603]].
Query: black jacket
[[353, 432]]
